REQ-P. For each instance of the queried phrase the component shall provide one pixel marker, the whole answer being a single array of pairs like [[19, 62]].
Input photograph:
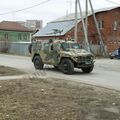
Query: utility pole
[[85, 25], [84, 28], [76, 21], [86, 21], [77, 4], [99, 33]]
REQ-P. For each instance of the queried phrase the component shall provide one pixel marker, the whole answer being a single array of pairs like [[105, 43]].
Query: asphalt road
[[106, 72]]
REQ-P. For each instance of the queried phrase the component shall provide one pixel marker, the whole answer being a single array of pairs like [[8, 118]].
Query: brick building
[[108, 22]]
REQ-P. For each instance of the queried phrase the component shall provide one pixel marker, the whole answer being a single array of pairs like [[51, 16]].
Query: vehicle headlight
[[76, 58], [92, 57]]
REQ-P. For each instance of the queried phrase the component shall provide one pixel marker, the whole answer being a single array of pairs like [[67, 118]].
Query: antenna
[[70, 5]]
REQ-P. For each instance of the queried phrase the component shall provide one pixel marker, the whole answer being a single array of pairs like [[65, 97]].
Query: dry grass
[[48, 99], [5, 71]]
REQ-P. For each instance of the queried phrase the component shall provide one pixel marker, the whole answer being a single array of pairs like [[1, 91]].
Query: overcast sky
[[47, 12]]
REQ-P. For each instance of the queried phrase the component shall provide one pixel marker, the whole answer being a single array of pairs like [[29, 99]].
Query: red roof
[[13, 26]]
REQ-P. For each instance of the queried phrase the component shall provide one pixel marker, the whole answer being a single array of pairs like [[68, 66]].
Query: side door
[[50, 54], [45, 53], [54, 51]]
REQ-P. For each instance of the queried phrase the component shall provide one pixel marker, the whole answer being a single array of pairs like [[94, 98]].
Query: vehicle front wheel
[[67, 66], [87, 69], [38, 62]]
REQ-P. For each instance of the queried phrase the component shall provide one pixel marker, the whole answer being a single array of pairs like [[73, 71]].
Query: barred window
[[115, 25], [100, 24], [6, 36], [25, 36], [19, 36]]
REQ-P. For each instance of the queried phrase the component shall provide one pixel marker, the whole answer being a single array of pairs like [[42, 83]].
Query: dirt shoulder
[[7, 71], [53, 99]]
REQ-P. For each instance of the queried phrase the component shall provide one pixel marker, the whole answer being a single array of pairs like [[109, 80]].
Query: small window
[[101, 24], [6, 36], [46, 47], [115, 25], [25, 37], [19, 36]]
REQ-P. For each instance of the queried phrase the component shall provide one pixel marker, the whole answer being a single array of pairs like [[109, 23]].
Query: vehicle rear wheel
[[38, 62], [87, 69], [56, 67], [67, 66], [111, 57]]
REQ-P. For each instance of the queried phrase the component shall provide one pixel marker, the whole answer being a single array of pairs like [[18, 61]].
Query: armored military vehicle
[[63, 55]]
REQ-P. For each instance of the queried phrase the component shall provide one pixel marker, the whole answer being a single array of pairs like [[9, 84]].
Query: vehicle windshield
[[67, 46]]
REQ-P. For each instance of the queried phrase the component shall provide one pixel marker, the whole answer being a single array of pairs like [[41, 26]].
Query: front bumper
[[84, 61], [85, 64]]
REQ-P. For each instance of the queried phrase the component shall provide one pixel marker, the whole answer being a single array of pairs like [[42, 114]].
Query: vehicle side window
[[64, 46], [46, 47], [75, 45], [57, 47]]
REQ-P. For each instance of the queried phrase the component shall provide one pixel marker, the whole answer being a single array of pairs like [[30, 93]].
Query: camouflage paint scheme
[[53, 56]]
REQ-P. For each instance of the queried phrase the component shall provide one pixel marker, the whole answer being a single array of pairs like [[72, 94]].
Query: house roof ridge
[[71, 16], [14, 26]]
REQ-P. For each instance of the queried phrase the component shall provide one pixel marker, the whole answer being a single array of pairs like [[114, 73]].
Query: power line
[[25, 8], [112, 2]]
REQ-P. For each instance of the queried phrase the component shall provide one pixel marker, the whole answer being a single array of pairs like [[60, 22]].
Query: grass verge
[[6, 71], [51, 99]]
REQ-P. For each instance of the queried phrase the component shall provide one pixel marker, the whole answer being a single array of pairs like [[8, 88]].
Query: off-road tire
[[111, 57], [56, 67], [38, 62], [67, 66], [88, 69]]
